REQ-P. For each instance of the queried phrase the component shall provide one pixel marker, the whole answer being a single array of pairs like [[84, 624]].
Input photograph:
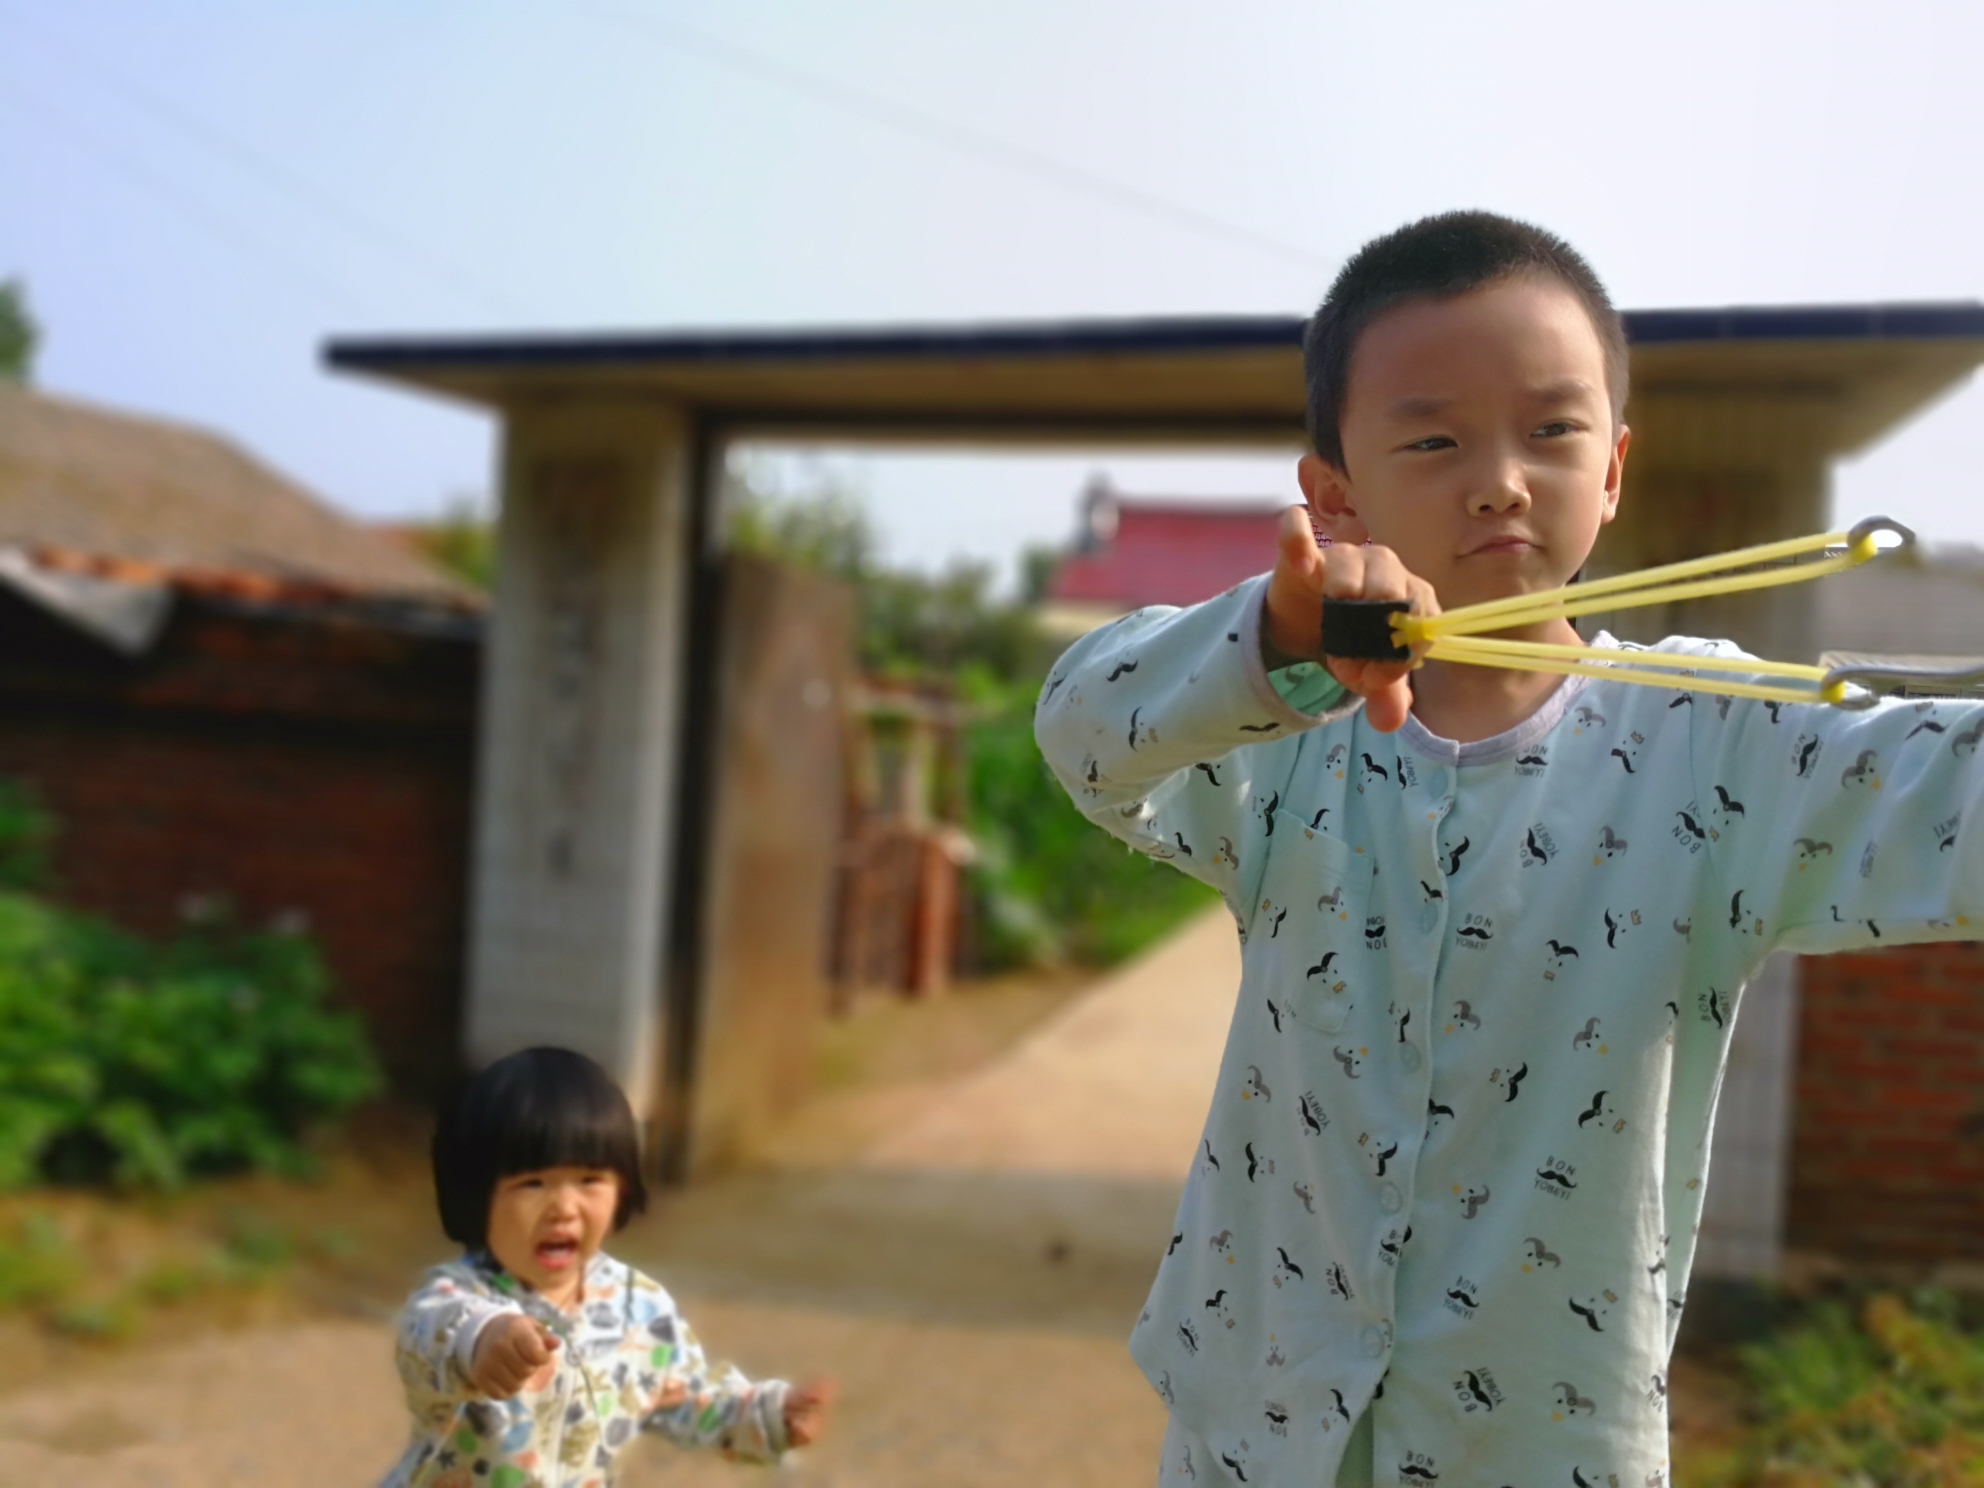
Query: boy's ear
[[1327, 491], [1615, 473]]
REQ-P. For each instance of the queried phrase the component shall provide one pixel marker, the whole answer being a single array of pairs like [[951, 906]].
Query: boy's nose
[[1508, 491]]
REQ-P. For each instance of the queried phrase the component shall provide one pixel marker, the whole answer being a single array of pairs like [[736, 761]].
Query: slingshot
[[1379, 630]]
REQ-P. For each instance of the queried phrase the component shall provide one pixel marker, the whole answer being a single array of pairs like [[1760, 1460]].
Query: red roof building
[[1137, 551]]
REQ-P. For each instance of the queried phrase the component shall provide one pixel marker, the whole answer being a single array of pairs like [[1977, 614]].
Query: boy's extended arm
[[1141, 720], [438, 1330], [1839, 830], [695, 1403]]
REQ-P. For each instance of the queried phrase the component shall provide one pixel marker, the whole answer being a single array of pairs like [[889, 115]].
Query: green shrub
[[1050, 884], [26, 832], [1890, 1398], [143, 1063]]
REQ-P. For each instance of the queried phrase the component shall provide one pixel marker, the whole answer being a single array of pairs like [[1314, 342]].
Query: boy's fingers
[[1384, 576], [1343, 576]]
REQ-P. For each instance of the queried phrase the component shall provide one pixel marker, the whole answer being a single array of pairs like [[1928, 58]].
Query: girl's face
[[544, 1226]]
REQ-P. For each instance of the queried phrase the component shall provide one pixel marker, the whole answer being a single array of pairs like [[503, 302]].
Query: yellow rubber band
[[1663, 585], [1467, 634], [1665, 574], [1614, 672], [1463, 648]]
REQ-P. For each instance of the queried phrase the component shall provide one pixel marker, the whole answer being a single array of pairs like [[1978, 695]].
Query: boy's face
[[546, 1225], [1478, 441]]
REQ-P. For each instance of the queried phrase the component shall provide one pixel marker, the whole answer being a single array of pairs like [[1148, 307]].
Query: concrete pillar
[[580, 737], [1709, 472], [1749, 1167]]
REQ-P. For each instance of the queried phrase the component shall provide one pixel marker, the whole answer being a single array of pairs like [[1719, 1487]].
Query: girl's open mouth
[[556, 1255]]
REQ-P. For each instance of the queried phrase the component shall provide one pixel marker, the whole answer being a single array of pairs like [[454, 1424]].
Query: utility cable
[[278, 177], [931, 129], [245, 242]]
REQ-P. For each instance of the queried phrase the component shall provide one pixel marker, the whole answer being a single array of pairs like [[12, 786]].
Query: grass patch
[[1880, 1391], [97, 1272]]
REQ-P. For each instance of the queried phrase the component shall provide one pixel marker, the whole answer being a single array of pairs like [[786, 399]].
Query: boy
[[1495, 923]]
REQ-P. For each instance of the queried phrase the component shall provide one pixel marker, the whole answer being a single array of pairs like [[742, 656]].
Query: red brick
[[1927, 1097], [302, 774], [1936, 1051]]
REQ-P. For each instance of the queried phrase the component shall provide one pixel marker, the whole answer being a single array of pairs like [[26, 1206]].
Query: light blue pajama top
[[1453, 1169]]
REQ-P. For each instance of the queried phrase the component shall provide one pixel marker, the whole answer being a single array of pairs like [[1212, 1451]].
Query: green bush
[[1890, 1398], [134, 1062], [1049, 884], [26, 832]]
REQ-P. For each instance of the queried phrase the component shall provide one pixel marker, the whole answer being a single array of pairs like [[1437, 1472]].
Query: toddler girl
[[535, 1358]]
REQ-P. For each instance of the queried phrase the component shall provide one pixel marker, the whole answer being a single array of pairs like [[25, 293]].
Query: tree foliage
[[461, 540], [19, 335], [1047, 885], [947, 625]]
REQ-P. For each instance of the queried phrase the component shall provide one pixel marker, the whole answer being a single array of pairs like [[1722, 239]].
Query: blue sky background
[[198, 193]]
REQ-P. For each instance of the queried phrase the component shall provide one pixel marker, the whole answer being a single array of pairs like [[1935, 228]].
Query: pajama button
[[1408, 1055], [1374, 1342], [1390, 1199]]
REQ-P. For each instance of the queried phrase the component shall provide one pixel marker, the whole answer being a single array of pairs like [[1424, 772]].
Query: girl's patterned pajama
[[627, 1362]]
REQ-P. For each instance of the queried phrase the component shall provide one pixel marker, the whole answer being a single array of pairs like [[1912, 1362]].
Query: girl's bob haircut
[[542, 1108]]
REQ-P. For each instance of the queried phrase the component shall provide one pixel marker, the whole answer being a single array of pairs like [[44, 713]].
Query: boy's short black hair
[[1437, 258], [542, 1108]]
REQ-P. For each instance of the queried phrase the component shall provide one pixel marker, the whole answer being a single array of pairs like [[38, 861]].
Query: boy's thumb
[[1296, 540]]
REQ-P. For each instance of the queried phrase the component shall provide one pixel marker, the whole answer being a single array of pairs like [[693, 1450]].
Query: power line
[[248, 244], [931, 129], [279, 177]]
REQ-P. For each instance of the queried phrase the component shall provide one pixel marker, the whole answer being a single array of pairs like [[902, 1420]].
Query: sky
[[198, 194]]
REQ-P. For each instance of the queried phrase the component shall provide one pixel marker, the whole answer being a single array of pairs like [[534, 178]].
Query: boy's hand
[[513, 1353], [1306, 577], [806, 1409]]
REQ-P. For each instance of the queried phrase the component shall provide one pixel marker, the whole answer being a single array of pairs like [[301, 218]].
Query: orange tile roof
[[88, 490]]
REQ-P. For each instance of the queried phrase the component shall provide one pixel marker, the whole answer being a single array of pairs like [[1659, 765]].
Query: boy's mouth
[[1509, 544], [556, 1255]]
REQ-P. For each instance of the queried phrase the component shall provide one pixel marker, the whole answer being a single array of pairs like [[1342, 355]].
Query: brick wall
[[288, 761], [1888, 1142]]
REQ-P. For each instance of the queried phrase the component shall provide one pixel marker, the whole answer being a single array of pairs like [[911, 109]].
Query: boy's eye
[[1555, 428], [1432, 442]]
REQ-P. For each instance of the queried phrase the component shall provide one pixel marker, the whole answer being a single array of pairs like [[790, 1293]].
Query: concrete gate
[[596, 849]]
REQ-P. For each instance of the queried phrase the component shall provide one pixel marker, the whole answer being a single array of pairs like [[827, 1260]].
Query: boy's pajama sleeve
[[1144, 721], [438, 1330], [695, 1403], [1840, 830]]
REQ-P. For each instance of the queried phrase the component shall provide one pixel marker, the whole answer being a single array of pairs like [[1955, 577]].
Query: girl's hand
[[1306, 577], [512, 1353], [806, 1409]]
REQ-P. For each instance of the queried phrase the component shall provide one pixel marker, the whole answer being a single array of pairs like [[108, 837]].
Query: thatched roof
[[83, 487]]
